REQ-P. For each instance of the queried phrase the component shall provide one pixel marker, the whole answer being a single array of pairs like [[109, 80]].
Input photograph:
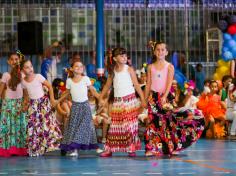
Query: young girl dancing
[[44, 134], [13, 120], [123, 132], [166, 133], [80, 132]]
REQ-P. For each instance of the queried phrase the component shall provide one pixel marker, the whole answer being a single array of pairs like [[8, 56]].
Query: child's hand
[[54, 103], [101, 103], [24, 107], [143, 104], [67, 114], [163, 100]]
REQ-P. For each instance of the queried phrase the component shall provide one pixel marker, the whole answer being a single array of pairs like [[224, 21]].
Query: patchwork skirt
[[123, 132]]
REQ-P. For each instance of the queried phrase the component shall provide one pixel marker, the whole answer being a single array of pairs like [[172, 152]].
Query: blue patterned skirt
[[80, 132]]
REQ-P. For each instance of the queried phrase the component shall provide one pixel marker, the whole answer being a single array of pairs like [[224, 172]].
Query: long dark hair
[[15, 74], [22, 63], [110, 61]]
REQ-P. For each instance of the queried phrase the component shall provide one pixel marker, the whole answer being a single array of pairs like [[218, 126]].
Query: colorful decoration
[[228, 26], [96, 84], [62, 86], [22, 56], [188, 86], [223, 68]]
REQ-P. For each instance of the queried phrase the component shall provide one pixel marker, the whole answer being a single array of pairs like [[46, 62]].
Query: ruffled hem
[[117, 148], [13, 151], [74, 146]]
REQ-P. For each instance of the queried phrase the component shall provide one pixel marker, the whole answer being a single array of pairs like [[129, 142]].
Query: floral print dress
[[170, 131]]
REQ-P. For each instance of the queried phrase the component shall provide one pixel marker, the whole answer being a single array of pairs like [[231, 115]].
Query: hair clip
[[20, 54], [152, 44]]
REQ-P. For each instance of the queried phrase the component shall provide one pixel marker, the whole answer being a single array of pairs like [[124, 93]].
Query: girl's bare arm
[[170, 78], [106, 87], [149, 82], [136, 84]]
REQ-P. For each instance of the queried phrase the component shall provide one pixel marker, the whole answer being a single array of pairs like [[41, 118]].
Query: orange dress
[[211, 106]]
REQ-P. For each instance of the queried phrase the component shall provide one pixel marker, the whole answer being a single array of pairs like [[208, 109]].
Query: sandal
[[149, 154]]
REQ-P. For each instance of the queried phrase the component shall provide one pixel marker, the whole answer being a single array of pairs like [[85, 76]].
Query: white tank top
[[122, 83]]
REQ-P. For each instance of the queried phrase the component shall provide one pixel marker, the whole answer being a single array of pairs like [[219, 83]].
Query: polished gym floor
[[204, 158]]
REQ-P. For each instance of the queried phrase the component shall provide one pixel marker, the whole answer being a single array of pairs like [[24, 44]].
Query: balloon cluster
[[223, 68], [228, 26]]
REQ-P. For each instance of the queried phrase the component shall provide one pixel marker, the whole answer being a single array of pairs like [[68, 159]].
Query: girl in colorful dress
[[13, 120], [123, 132], [80, 132], [214, 111], [166, 133], [44, 134]]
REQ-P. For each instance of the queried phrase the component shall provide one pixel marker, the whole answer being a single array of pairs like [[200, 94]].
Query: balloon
[[225, 17], [234, 37], [223, 25], [221, 62], [216, 76], [227, 56], [232, 19], [224, 49], [174, 59], [232, 29], [222, 70], [232, 43], [227, 36], [233, 51]]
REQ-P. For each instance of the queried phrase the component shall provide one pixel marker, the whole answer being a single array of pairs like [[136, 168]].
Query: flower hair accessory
[[22, 56], [69, 72], [188, 86], [151, 44], [62, 86]]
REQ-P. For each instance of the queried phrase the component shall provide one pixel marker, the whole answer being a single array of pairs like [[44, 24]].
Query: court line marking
[[89, 173], [221, 172], [186, 173], [116, 173], [152, 173], [29, 173], [215, 168], [59, 173]]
